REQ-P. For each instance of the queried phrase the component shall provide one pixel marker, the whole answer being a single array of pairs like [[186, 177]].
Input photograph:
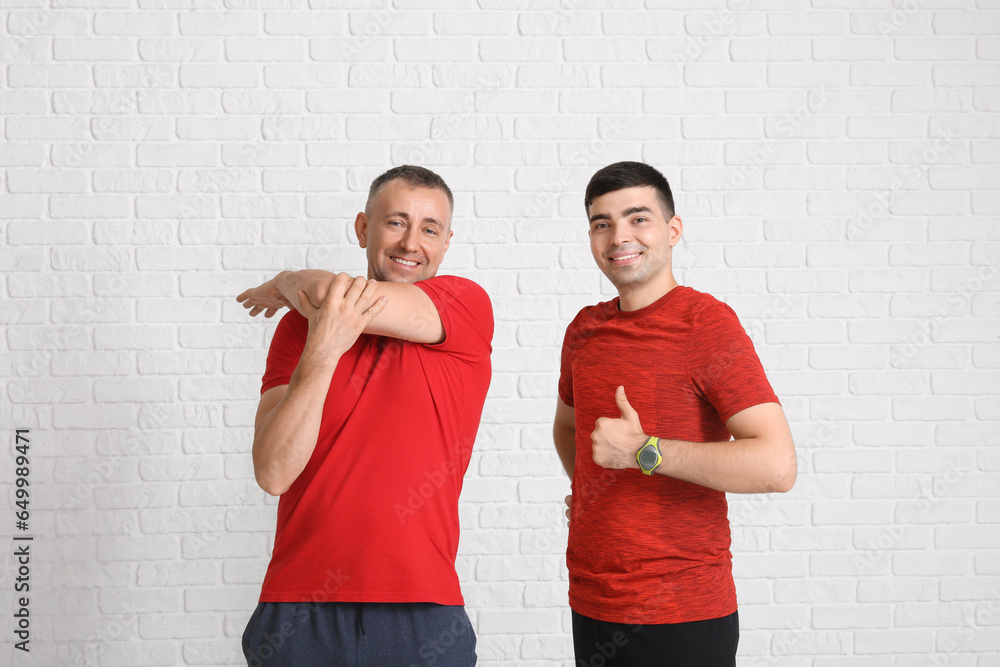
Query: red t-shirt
[[373, 517], [654, 549]]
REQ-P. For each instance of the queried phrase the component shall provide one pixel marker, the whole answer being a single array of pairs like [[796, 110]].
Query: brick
[[220, 23], [932, 48], [177, 50], [46, 128], [812, 76], [217, 128], [269, 49], [311, 23], [263, 102], [219, 76], [32, 23], [505, 49], [49, 76]]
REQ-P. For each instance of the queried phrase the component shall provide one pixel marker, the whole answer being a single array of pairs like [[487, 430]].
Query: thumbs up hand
[[616, 441]]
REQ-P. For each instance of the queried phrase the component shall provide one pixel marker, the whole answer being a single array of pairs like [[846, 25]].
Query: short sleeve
[[466, 313], [722, 363], [286, 347]]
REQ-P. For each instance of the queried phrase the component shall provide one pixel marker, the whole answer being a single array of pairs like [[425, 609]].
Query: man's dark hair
[[621, 175], [413, 176]]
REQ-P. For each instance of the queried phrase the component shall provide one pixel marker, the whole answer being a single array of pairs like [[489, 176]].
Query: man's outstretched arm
[[286, 427], [409, 314], [760, 458]]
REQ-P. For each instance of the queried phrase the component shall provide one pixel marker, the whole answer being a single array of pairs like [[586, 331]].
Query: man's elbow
[[270, 486], [268, 480], [785, 472]]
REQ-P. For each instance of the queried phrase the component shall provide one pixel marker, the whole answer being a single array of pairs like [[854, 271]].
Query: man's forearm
[[565, 440], [409, 314], [314, 283], [747, 465], [286, 437]]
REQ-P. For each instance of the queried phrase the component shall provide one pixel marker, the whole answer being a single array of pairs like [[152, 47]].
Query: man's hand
[[616, 441], [265, 297], [348, 308]]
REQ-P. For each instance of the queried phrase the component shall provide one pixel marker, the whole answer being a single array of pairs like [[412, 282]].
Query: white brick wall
[[836, 166]]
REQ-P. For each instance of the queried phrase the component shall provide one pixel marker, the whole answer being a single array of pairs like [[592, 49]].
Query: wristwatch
[[649, 456]]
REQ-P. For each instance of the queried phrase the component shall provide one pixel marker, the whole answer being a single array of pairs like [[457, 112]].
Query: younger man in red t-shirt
[[369, 407], [650, 575]]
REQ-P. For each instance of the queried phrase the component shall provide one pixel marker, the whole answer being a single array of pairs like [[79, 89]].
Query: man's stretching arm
[[409, 314], [286, 427]]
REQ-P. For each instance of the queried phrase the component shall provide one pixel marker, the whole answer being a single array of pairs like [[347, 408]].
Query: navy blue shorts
[[359, 634]]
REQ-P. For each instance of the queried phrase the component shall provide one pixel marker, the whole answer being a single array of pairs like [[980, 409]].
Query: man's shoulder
[[455, 286], [596, 313], [708, 308], [693, 306]]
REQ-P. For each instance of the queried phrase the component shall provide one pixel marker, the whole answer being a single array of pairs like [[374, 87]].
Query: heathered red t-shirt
[[373, 517], [654, 549]]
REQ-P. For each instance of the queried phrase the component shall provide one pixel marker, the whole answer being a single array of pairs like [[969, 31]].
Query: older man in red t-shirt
[[369, 407], [648, 555]]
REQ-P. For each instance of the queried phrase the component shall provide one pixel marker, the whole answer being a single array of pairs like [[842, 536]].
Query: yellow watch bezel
[[654, 442]]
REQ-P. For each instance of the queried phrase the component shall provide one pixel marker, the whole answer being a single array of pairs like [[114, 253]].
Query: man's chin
[[620, 278], [393, 274]]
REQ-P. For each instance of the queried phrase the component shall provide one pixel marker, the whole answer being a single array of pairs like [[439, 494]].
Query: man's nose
[[411, 240], [621, 235]]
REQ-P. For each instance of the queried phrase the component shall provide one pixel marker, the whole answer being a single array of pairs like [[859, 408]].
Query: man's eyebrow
[[636, 209], [627, 212], [406, 216]]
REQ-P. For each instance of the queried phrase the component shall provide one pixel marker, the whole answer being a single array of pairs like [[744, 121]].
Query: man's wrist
[[316, 363], [633, 459]]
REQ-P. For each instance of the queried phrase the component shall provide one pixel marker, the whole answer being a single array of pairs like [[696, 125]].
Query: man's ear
[[676, 229], [361, 228], [447, 241]]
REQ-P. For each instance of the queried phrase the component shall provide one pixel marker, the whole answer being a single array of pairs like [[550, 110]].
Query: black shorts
[[710, 643]]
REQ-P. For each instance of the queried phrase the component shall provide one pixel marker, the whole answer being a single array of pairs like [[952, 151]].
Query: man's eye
[[639, 219], [432, 232], [395, 223]]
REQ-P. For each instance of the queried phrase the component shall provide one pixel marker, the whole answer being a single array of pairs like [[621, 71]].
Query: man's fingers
[[368, 295], [244, 295], [354, 292], [627, 410], [338, 287], [305, 304], [376, 308]]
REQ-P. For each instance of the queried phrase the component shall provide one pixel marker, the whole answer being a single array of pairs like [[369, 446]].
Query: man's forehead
[[610, 202], [400, 192], [420, 202]]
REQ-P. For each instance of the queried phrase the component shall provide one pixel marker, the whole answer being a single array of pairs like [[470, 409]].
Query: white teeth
[[404, 262], [622, 259]]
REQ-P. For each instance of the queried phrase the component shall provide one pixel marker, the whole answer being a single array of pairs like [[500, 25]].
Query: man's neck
[[634, 297]]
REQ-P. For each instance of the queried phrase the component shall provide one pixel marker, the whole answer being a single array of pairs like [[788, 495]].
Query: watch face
[[647, 457]]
